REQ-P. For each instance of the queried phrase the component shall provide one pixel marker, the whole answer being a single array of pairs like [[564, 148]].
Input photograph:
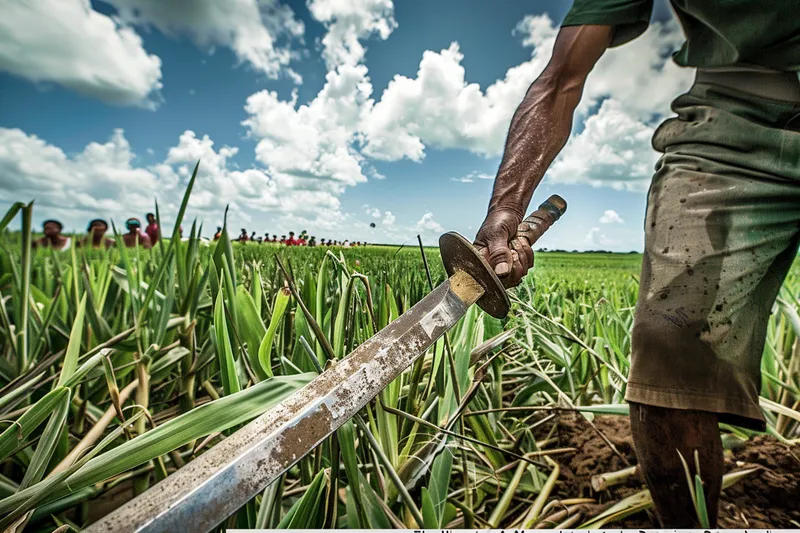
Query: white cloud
[[428, 224], [374, 212], [68, 43], [596, 238], [641, 73], [388, 219], [105, 180], [610, 217], [253, 29], [440, 109], [472, 176], [309, 149], [347, 23], [613, 149]]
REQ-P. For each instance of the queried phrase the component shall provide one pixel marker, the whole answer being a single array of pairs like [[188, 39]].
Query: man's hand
[[510, 257]]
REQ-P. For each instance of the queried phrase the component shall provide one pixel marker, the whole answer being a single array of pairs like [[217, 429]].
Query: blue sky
[[321, 115]]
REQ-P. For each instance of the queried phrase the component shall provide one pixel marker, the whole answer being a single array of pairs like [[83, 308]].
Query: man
[[96, 235], [243, 237], [721, 227], [52, 236], [135, 237], [152, 228], [218, 234], [291, 241]]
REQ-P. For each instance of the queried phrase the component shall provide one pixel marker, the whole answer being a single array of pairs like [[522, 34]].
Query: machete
[[207, 490]]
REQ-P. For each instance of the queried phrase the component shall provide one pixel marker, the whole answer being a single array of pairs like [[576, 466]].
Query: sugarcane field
[[409, 265], [127, 364]]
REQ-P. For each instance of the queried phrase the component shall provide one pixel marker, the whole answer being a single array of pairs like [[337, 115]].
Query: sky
[[320, 115]]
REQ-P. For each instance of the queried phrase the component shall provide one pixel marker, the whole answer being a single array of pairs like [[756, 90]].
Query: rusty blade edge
[[210, 488]]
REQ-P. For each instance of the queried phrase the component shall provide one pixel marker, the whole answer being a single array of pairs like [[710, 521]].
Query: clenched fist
[[509, 256]]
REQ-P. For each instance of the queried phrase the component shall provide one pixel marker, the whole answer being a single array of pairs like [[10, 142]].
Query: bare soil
[[768, 498]]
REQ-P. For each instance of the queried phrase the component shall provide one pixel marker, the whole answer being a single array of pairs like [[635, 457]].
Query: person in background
[[96, 235], [243, 237], [218, 234], [283, 239], [152, 228], [253, 236], [52, 236], [346, 243], [266, 237], [291, 241], [303, 240], [312, 241], [135, 237]]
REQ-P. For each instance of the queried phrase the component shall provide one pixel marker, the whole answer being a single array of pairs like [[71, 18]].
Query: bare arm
[[539, 130]]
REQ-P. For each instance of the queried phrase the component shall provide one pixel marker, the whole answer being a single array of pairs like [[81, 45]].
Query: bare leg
[[657, 433]]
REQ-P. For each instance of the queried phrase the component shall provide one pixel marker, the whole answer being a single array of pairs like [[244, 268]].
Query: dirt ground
[[768, 498]]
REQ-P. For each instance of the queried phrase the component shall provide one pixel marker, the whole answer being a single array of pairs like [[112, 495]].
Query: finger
[[518, 271], [500, 257], [523, 248]]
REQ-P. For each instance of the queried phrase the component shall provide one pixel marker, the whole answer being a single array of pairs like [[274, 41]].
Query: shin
[[658, 435]]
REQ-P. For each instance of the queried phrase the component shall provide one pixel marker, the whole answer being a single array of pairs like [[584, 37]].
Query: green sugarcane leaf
[[702, 510], [227, 365], [20, 429], [250, 328], [47, 444], [167, 360], [74, 346], [439, 484], [203, 420], [430, 520], [309, 511], [279, 306], [10, 214]]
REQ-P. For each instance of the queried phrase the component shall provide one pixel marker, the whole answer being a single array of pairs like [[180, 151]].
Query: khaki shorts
[[721, 232]]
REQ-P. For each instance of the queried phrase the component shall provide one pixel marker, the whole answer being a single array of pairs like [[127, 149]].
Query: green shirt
[[718, 32]]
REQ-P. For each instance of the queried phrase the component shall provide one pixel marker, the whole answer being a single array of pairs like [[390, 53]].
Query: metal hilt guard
[[459, 254]]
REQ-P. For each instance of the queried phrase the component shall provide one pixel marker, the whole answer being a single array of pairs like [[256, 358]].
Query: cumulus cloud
[[374, 212], [641, 74], [428, 224], [388, 219], [258, 31], [440, 109], [596, 238], [472, 176], [611, 217], [309, 149], [349, 22], [68, 43], [613, 149], [105, 180]]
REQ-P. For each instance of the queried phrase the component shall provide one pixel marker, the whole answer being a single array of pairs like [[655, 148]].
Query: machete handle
[[459, 254], [540, 220]]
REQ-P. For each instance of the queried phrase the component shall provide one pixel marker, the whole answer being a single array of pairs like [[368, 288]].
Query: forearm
[[539, 130]]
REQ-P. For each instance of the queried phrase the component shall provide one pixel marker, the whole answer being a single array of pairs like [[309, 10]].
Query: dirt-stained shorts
[[721, 232]]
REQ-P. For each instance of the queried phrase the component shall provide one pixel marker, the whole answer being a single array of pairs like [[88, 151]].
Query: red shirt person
[[291, 241], [135, 237], [152, 228]]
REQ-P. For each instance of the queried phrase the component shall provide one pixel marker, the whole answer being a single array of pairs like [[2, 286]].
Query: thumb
[[500, 256]]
